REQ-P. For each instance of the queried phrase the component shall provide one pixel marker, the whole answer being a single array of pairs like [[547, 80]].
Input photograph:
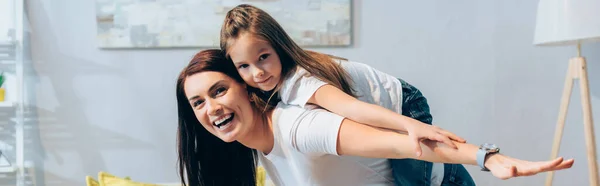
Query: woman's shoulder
[[284, 113], [309, 129], [287, 114]]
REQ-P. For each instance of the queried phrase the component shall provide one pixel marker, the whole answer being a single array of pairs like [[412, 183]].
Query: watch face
[[489, 147]]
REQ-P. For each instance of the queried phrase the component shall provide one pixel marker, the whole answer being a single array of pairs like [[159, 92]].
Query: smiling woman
[[205, 159], [222, 135]]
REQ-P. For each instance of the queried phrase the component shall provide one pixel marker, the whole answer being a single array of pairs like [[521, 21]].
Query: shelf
[[7, 50], [13, 51], [8, 43], [7, 62], [8, 169]]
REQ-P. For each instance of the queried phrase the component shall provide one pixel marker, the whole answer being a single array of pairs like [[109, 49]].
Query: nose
[[214, 108], [258, 72]]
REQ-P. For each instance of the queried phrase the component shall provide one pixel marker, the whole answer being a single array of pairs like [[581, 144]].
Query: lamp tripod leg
[[562, 116]]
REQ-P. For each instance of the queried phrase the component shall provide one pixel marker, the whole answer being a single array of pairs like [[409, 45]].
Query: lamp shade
[[567, 22]]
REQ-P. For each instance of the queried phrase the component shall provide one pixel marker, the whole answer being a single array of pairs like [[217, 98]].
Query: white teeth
[[219, 121]]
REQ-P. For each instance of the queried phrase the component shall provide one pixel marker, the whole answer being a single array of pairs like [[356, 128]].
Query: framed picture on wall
[[197, 23]]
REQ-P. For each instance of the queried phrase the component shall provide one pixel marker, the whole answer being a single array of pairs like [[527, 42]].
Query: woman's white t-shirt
[[304, 152]]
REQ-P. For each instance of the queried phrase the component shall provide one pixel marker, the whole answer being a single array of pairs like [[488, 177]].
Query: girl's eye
[[263, 57], [243, 66]]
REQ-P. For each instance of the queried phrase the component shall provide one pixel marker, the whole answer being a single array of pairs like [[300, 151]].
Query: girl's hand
[[418, 131], [505, 167]]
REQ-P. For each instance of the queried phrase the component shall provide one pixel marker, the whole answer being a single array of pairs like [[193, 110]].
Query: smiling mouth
[[223, 121], [264, 80]]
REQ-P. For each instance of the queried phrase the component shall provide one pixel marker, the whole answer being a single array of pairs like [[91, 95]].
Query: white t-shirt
[[304, 152], [370, 85]]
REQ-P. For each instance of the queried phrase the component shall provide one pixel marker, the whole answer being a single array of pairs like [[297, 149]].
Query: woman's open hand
[[505, 167]]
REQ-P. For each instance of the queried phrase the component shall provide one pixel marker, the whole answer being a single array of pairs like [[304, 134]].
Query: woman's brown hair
[[249, 19], [203, 158]]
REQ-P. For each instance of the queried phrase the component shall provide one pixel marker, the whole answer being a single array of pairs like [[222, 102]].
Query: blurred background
[[87, 91]]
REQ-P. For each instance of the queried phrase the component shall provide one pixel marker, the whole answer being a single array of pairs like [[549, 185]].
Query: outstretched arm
[[337, 101], [361, 140]]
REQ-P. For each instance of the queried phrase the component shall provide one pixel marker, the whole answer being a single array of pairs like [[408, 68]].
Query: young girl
[[267, 59]]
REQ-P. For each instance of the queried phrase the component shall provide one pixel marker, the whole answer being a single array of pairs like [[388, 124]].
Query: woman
[[222, 134]]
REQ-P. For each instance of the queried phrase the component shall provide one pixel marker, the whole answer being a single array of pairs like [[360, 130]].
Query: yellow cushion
[[89, 181], [92, 182], [107, 179], [261, 176]]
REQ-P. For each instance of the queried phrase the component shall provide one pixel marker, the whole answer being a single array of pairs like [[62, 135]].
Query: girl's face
[[256, 61], [221, 104]]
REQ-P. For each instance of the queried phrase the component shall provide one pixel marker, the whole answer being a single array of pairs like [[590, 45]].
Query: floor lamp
[[571, 22]]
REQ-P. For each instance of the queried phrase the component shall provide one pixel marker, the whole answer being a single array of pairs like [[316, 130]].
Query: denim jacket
[[409, 172]]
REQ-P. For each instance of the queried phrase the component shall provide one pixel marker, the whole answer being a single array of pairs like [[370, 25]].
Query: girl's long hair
[[246, 18]]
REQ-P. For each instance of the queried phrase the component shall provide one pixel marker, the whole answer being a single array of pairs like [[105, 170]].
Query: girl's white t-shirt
[[370, 85], [304, 152]]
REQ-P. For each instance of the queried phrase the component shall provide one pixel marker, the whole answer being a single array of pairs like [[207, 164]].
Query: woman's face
[[220, 103]]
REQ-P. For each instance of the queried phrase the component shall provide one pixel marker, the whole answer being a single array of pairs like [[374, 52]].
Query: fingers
[[510, 167], [509, 172], [512, 171], [549, 165], [446, 140], [534, 168], [452, 136], [566, 164], [563, 164], [417, 144], [531, 168]]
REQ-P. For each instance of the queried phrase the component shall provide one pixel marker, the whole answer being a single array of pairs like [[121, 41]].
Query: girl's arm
[[360, 140], [337, 101]]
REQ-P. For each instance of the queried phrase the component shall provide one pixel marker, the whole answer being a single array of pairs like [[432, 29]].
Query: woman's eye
[[220, 91], [243, 66], [197, 102], [263, 57]]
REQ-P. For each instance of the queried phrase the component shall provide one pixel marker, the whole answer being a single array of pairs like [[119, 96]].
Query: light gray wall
[[114, 110]]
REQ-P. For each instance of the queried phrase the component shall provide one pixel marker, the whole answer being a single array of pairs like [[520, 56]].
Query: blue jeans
[[409, 172]]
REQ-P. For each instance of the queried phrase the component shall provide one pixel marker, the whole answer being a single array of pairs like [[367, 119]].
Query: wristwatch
[[484, 150]]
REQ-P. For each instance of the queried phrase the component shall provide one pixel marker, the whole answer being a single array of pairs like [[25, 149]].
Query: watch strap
[[481, 154]]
